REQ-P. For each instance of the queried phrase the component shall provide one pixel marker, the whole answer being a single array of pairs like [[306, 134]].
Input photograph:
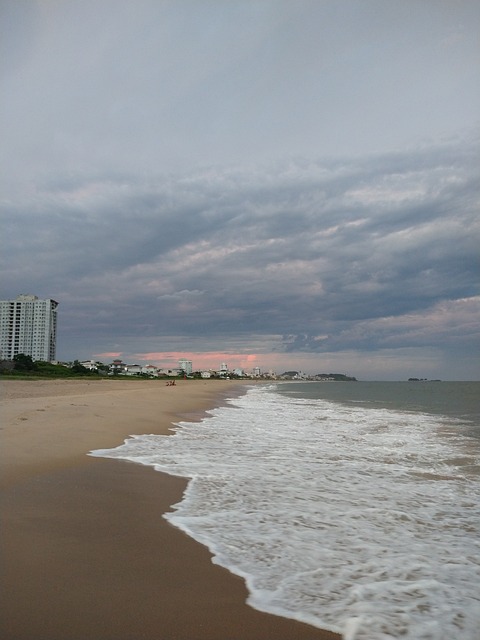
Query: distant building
[[117, 367], [150, 370], [28, 325], [166, 372], [91, 365], [133, 369], [185, 366]]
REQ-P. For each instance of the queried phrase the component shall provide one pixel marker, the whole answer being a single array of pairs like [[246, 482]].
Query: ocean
[[351, 506]]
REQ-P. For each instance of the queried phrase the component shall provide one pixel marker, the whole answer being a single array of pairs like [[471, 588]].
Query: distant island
[[422, 380]]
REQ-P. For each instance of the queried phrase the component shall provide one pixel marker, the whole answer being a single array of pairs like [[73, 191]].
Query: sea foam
[[360, 520]]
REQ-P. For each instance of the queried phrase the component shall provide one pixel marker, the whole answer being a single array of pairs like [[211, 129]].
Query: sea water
[[350, 506]]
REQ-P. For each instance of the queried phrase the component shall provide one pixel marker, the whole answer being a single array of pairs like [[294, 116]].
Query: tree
[[24, 362], [79, 368]]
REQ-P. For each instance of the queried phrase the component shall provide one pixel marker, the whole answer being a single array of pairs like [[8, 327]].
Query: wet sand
[[85, 553]]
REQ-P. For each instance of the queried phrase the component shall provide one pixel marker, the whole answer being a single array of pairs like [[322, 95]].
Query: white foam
[[363, 521]]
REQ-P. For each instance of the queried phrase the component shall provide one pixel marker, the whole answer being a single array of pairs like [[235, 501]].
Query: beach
[[85, 551]]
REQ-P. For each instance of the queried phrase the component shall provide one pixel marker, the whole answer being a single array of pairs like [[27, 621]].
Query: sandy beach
[[85, 553]]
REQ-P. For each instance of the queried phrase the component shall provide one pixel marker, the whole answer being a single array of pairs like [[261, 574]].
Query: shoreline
[[86, 552]]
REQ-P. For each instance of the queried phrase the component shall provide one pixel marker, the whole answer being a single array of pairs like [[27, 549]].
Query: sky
[[288, 184]]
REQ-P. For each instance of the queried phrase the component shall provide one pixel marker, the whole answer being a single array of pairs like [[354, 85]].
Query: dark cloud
[[297, 178], [353, 255]]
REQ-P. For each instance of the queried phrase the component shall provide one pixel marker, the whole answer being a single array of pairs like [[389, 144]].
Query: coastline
[[85, 550]]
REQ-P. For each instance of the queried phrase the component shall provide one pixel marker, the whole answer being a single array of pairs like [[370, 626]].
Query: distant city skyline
[[290, 185]]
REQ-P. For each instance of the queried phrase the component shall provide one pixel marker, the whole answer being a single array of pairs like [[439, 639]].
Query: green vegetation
[[24, 363], [23, 366]]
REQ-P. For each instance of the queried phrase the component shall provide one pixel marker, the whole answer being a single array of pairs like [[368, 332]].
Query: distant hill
[[337, 377]]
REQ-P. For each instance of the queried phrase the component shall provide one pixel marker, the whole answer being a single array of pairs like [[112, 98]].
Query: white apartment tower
[[28, 325], [186, 366]]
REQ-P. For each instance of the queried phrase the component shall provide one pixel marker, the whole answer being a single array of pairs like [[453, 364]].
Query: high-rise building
[[28, 325], [186, 366]]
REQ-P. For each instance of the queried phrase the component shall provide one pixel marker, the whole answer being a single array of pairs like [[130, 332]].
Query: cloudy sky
[[290, 184]]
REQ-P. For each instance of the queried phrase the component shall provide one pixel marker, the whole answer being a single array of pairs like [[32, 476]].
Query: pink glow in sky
[[200, 361]]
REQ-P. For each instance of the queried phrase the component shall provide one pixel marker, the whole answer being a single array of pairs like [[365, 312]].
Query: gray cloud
[[160, 84], [288, 178], [353, 255]]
